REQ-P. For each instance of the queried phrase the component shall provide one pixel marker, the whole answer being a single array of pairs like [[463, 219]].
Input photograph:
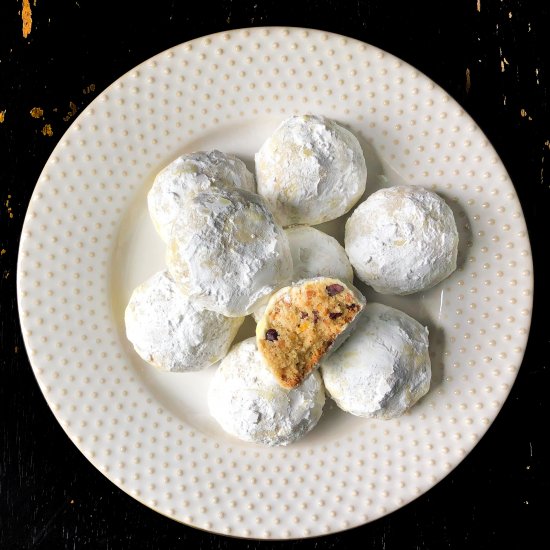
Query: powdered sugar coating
[[187, 176], [227, 252], [402, 240], [246, 400], [383, 368], [170, 332], [314, 254], [310, 170]]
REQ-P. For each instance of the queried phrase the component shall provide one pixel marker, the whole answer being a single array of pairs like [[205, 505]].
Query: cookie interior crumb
[[300, 325]]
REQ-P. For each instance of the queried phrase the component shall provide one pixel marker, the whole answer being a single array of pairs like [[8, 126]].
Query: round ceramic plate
[[87, 241]]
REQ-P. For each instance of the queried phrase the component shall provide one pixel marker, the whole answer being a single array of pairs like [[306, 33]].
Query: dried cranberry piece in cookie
[[334, 289]]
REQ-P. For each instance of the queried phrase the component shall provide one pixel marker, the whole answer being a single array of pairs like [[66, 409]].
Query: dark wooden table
[[492, 56]]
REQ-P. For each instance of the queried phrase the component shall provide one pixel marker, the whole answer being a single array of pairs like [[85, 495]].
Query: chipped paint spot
[[26, 16], [2, 116], [478, 7], [547, 143], [468, 80], [524, 114], [3, 251], [71, 113], [503, 63], [509, 15], [47, 130], [37, 112], [8, 207], [89, 89]]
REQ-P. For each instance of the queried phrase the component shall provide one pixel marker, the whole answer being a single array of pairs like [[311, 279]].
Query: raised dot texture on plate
[[150, 433]]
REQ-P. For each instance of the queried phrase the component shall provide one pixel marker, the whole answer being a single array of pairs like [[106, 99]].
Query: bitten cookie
[[402, 240], [310, 170], [180, 181], [314, 254], [169, 331], [302, 323], [227, 253], [246, 400], [383, 368]]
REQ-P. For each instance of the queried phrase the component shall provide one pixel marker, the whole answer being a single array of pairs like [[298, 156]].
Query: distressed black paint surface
[[493, 61]]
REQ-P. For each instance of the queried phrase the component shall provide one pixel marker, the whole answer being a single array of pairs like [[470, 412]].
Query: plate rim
[[23, 243]]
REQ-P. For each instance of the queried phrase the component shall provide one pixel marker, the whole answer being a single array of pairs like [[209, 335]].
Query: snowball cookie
[[402, 239], [227, 253], [171, 332], [248, 403], [314, 254], [310, 170], [188, 175], [302, 323], [383, 368]]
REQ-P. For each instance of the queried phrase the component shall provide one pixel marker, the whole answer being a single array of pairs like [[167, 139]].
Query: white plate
[[87, 242]]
